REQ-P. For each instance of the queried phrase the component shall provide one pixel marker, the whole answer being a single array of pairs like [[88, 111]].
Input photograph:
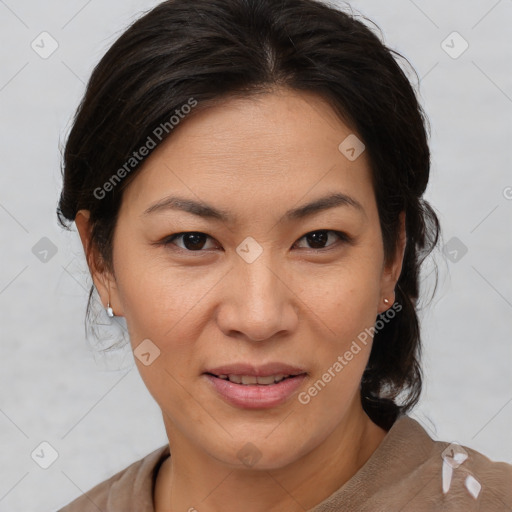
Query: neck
[[192, 481]]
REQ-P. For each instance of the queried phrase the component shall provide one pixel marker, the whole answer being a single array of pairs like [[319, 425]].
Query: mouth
[[250, 387], [251, 380]]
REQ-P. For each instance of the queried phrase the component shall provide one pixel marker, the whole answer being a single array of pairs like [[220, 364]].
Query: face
[[261, 286]]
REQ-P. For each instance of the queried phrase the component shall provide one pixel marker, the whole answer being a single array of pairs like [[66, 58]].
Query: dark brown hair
[[212, 49]]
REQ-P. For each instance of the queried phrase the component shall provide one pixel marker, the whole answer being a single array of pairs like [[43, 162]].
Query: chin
[[260, 453]]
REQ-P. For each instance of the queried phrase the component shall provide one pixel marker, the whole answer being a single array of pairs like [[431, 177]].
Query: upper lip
[[256, 371]]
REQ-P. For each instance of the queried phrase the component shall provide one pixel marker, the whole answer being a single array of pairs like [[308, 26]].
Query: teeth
[[251, 379], [265, 380]]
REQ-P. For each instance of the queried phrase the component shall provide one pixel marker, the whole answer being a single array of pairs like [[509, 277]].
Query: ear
[[391, 272], [103, 279]]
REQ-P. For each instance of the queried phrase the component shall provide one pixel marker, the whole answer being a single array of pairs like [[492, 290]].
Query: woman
[[247, 177]]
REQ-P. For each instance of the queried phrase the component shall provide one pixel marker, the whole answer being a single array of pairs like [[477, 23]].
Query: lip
[[265, 370], [255, 396]]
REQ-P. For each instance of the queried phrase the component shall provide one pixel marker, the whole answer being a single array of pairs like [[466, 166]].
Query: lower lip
[[256, 396]]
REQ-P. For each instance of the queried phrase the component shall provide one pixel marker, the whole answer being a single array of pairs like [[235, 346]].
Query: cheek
[[158, 297], [344, 343], [162, 307], [345, 308], [346, 298], [347, 311]]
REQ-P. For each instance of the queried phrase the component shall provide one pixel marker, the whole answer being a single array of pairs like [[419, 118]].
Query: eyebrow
[[209, 212]]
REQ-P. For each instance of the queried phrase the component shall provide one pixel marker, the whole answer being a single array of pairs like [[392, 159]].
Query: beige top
[[406, 473]]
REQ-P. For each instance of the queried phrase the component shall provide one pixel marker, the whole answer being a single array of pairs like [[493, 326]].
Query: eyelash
[[167, 241]]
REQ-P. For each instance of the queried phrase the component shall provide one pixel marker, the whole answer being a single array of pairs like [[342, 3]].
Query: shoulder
[[472, 477], [411, 472], [133, 486], [451, 476]]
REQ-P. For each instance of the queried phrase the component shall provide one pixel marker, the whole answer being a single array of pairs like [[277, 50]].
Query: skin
[[255, 158]]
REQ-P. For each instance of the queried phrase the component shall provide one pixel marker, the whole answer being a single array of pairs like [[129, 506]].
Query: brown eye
[[317, 240], [192, 241]]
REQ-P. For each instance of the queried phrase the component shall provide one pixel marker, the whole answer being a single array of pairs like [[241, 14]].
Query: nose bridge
[[259, 281], [259, 306]]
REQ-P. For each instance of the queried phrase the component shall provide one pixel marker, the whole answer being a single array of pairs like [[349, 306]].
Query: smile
[[251, 379], [255, 392]]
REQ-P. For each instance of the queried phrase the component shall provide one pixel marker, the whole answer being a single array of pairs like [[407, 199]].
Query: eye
[[192, 240], [318, 239]]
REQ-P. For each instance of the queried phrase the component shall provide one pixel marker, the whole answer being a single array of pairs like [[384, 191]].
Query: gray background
[[54, 388]]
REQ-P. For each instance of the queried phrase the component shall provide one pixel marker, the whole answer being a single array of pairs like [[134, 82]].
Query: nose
[[258, 301]]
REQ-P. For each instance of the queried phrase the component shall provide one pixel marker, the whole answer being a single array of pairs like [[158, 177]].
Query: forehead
[[263, 150]]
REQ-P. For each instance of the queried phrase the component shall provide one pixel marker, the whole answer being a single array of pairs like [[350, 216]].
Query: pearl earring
[[110, 311], [386, 301]]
